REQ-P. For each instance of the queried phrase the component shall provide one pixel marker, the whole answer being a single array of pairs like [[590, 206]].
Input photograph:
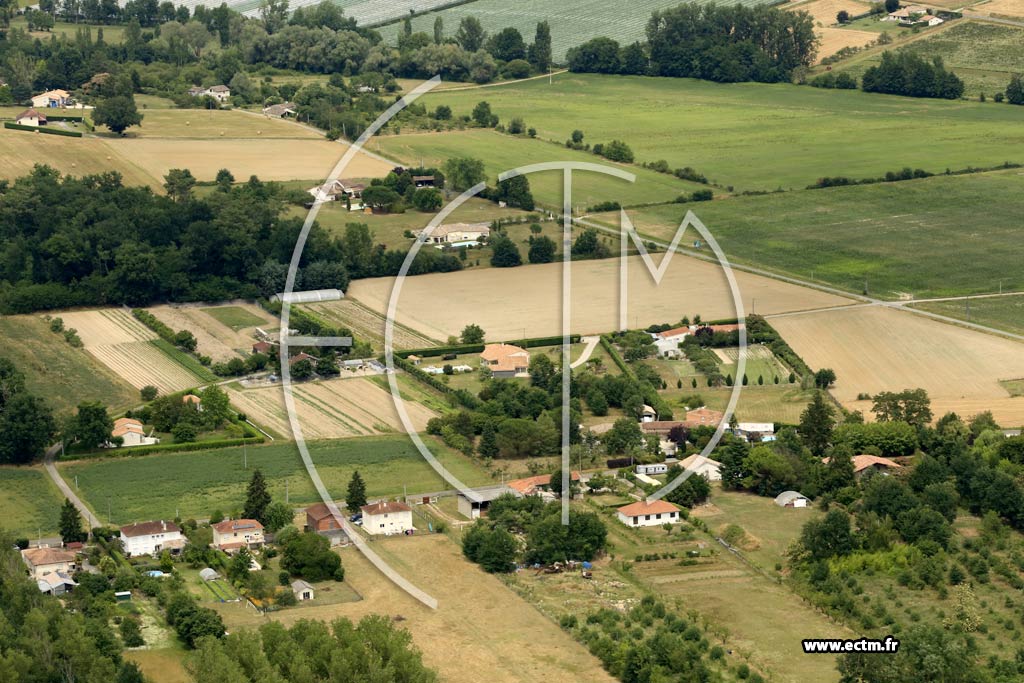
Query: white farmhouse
[[456, 233], [649, 513], [667, 342], [131, 432], [232, 535], [151, 538], [702, 466], [387, 517]]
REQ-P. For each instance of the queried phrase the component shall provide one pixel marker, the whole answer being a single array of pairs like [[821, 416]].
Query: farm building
[[649, 513], [473, 509], [51, 99], [339, 190], [320, 520], [193, 401], [281, 111], [648, 414], [755, 432], [43, 561], [424, 180], [792, 499], [233, 534], [302, 355], [263, 347], [667, 342], [221, 93], [30, 117], [56, 583], [387, 517], [703, 417], [456, 232], [310, 296], [654, 468], [302, 590], [208, 574], [131, 432], [863, 464], [533, 485], [505, 360], [151, 538], [705, 467]]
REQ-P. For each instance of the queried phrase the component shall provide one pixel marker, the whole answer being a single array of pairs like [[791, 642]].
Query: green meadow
[[753, 136], [941, 236], [1002, 312], [502, 152], [195, 484], [29, 502]]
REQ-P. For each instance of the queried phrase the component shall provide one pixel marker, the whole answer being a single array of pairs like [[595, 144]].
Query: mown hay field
[[875, 349], [60, 373], [331, 409], [21, 150], [512, 303], [130, 349]]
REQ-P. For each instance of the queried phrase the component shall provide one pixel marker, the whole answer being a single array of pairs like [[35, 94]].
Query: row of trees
[[26, 421], [907, 73], [717, 43]]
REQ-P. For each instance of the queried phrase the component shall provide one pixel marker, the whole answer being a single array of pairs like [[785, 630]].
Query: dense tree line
[[26, 421], [907, 73], [716, 43], [87, 241]]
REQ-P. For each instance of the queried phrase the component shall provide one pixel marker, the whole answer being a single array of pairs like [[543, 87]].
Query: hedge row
[[155, 324], [461, 396], [63, 117], [167, 448], [607, 345], [477, 348], [40, 129]]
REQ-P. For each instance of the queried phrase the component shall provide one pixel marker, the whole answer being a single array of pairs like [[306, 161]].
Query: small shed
[[302, 590], [208, 574], [792, 499], [123, 596]]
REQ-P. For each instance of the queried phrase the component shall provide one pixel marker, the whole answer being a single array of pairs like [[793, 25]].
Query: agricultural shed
[[791, 499], [208, 574], [309, 297]]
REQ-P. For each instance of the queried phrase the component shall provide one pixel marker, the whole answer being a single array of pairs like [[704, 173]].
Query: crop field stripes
[[333, 412]]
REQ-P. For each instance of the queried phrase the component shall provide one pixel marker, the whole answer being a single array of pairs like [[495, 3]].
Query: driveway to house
[[585, 356], [90, 519]]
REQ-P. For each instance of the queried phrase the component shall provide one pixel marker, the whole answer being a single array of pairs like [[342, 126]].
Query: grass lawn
[[58, 372], [165, 665], [153, 102], [895, 237], [235, 317], [29, 502], [214, 124], [982, 54], [750, 135], [769, 403], [195, 484], [1002, 312], [502, 152], [112, 34], [389, 229]]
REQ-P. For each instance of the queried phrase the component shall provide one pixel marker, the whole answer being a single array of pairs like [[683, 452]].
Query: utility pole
[[245, 457], [285, 491], [108, 511]]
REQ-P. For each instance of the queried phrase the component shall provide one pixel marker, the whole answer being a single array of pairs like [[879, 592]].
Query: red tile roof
[[149, 528], [38, 557], [320, 511], [385, 506], [229, 525], [529, 484], [643, 507]]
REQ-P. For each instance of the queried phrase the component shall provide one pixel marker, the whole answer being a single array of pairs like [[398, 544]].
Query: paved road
[[91, 520], [585, 356]]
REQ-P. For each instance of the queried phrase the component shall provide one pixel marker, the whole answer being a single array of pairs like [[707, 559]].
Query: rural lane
[[91, 520], [585, 356]]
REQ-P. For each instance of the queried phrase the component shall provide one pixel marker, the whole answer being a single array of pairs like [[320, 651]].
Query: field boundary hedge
[[187, 446], [609, 347], [48, 131], [461, 396], [532, 342]]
